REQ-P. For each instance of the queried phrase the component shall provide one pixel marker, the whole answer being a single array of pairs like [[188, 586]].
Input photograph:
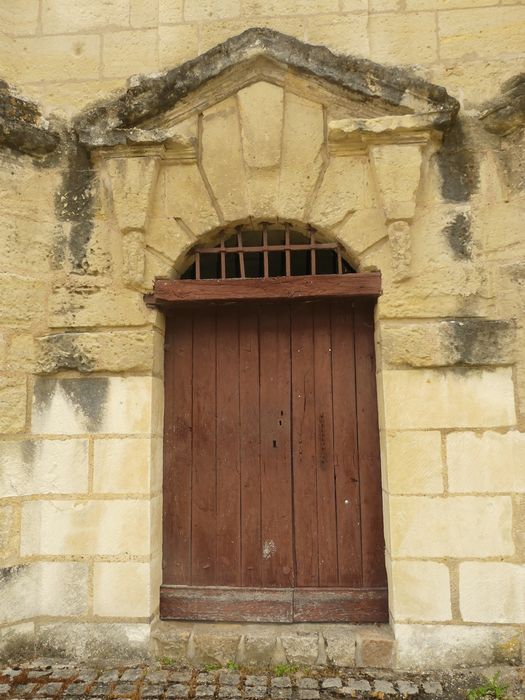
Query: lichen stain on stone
[[481, 341], [74, 202], [458, 165], [88, 395], [459, 237], [8, 573], [61, 351]]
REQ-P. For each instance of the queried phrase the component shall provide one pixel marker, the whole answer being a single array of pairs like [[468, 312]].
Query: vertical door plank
[[177, 449], [303, 447], [204, 512], [228, 467], [348, 506], [250, 465], [276, 487], [369, 461], [324, 440]]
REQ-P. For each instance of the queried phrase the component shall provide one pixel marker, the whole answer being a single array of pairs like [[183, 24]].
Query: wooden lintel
[[360, 284]]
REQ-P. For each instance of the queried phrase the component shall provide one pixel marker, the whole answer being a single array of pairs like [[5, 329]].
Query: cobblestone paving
[[50, 679]]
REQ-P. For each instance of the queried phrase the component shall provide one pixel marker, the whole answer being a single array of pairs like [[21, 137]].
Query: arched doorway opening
[[272, 485]]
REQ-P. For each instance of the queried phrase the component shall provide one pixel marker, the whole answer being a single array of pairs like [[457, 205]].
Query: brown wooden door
[[272, 489]]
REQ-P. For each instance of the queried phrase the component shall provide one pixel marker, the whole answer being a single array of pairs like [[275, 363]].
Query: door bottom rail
[[235, 604]]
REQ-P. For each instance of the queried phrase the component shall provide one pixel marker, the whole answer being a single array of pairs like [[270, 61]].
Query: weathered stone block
[[133, 258], [13, 398], [93, 306], [413, 462], [63, 57], [187, 198], [215, 647], [397, 170], [375, 648], [20, 18], [121, 589], [403, 38], [89, 15], [177, 43], [21, 299], [448, 399], [85, 528], [132, 184], [301, 647], [9, 532], [487, 463], [123, 465], [258, 649], [428, 527], [420, 591], [121, 405], [211, 9], [43, 466], [114, 351], [261, 113], [341, 34], [492, 592], [340, 647], [94, 640], [143, 14]]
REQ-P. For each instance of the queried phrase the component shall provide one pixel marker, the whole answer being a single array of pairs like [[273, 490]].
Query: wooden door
[[272, 490]]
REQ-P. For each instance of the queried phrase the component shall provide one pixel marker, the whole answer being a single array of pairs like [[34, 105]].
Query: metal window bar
[[241, 248]]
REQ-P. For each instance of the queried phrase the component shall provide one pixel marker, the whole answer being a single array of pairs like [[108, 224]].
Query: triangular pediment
[[150, 109]]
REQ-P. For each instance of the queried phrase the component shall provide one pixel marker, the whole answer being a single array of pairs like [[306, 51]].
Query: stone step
[[342, 646]]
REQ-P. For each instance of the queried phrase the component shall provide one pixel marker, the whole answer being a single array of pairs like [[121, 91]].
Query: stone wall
[[94, 208]]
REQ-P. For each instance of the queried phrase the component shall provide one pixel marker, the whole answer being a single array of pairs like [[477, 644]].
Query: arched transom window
[[267, 250]]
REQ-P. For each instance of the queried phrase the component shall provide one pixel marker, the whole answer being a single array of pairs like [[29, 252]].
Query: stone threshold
[[266, 645]]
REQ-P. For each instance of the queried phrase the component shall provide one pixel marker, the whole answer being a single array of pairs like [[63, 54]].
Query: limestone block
[[43, 588], [133, 258], [62, 57], [121, 589], [121, 405], [21, 299], [491, 462], [345, 188], [363, 229], [397, 171], [222, 158], [93, 306], [501, 226], [258, 649], [401, 249], [301, 647], [21, 356], [263, 191], [416, 399], [177, 43], [89, 15], [169, 238], [113, 351], [133, 182], [403, 38], [374, 647], [211, 9], [128, 52], [288, 7], [261, 112], [492, 592], [20, 18], [93, 641], [85, 528], [340, 647], [30, 467], [143, 14], [173, 642], [458, 341], [122, 465], [481, 33], [412, 5], [170, 11], [302, 157], [9, 532], [218, 646], [420, 592], [13, 398], [27, 247], [187, 198], [428, 527], [341, 34], [449, 646], [413, 462]]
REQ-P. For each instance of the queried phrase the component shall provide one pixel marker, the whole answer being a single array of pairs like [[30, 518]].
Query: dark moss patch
[[74, 203], [459, 237], [482, 341], [458, 165], [152, 96]]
